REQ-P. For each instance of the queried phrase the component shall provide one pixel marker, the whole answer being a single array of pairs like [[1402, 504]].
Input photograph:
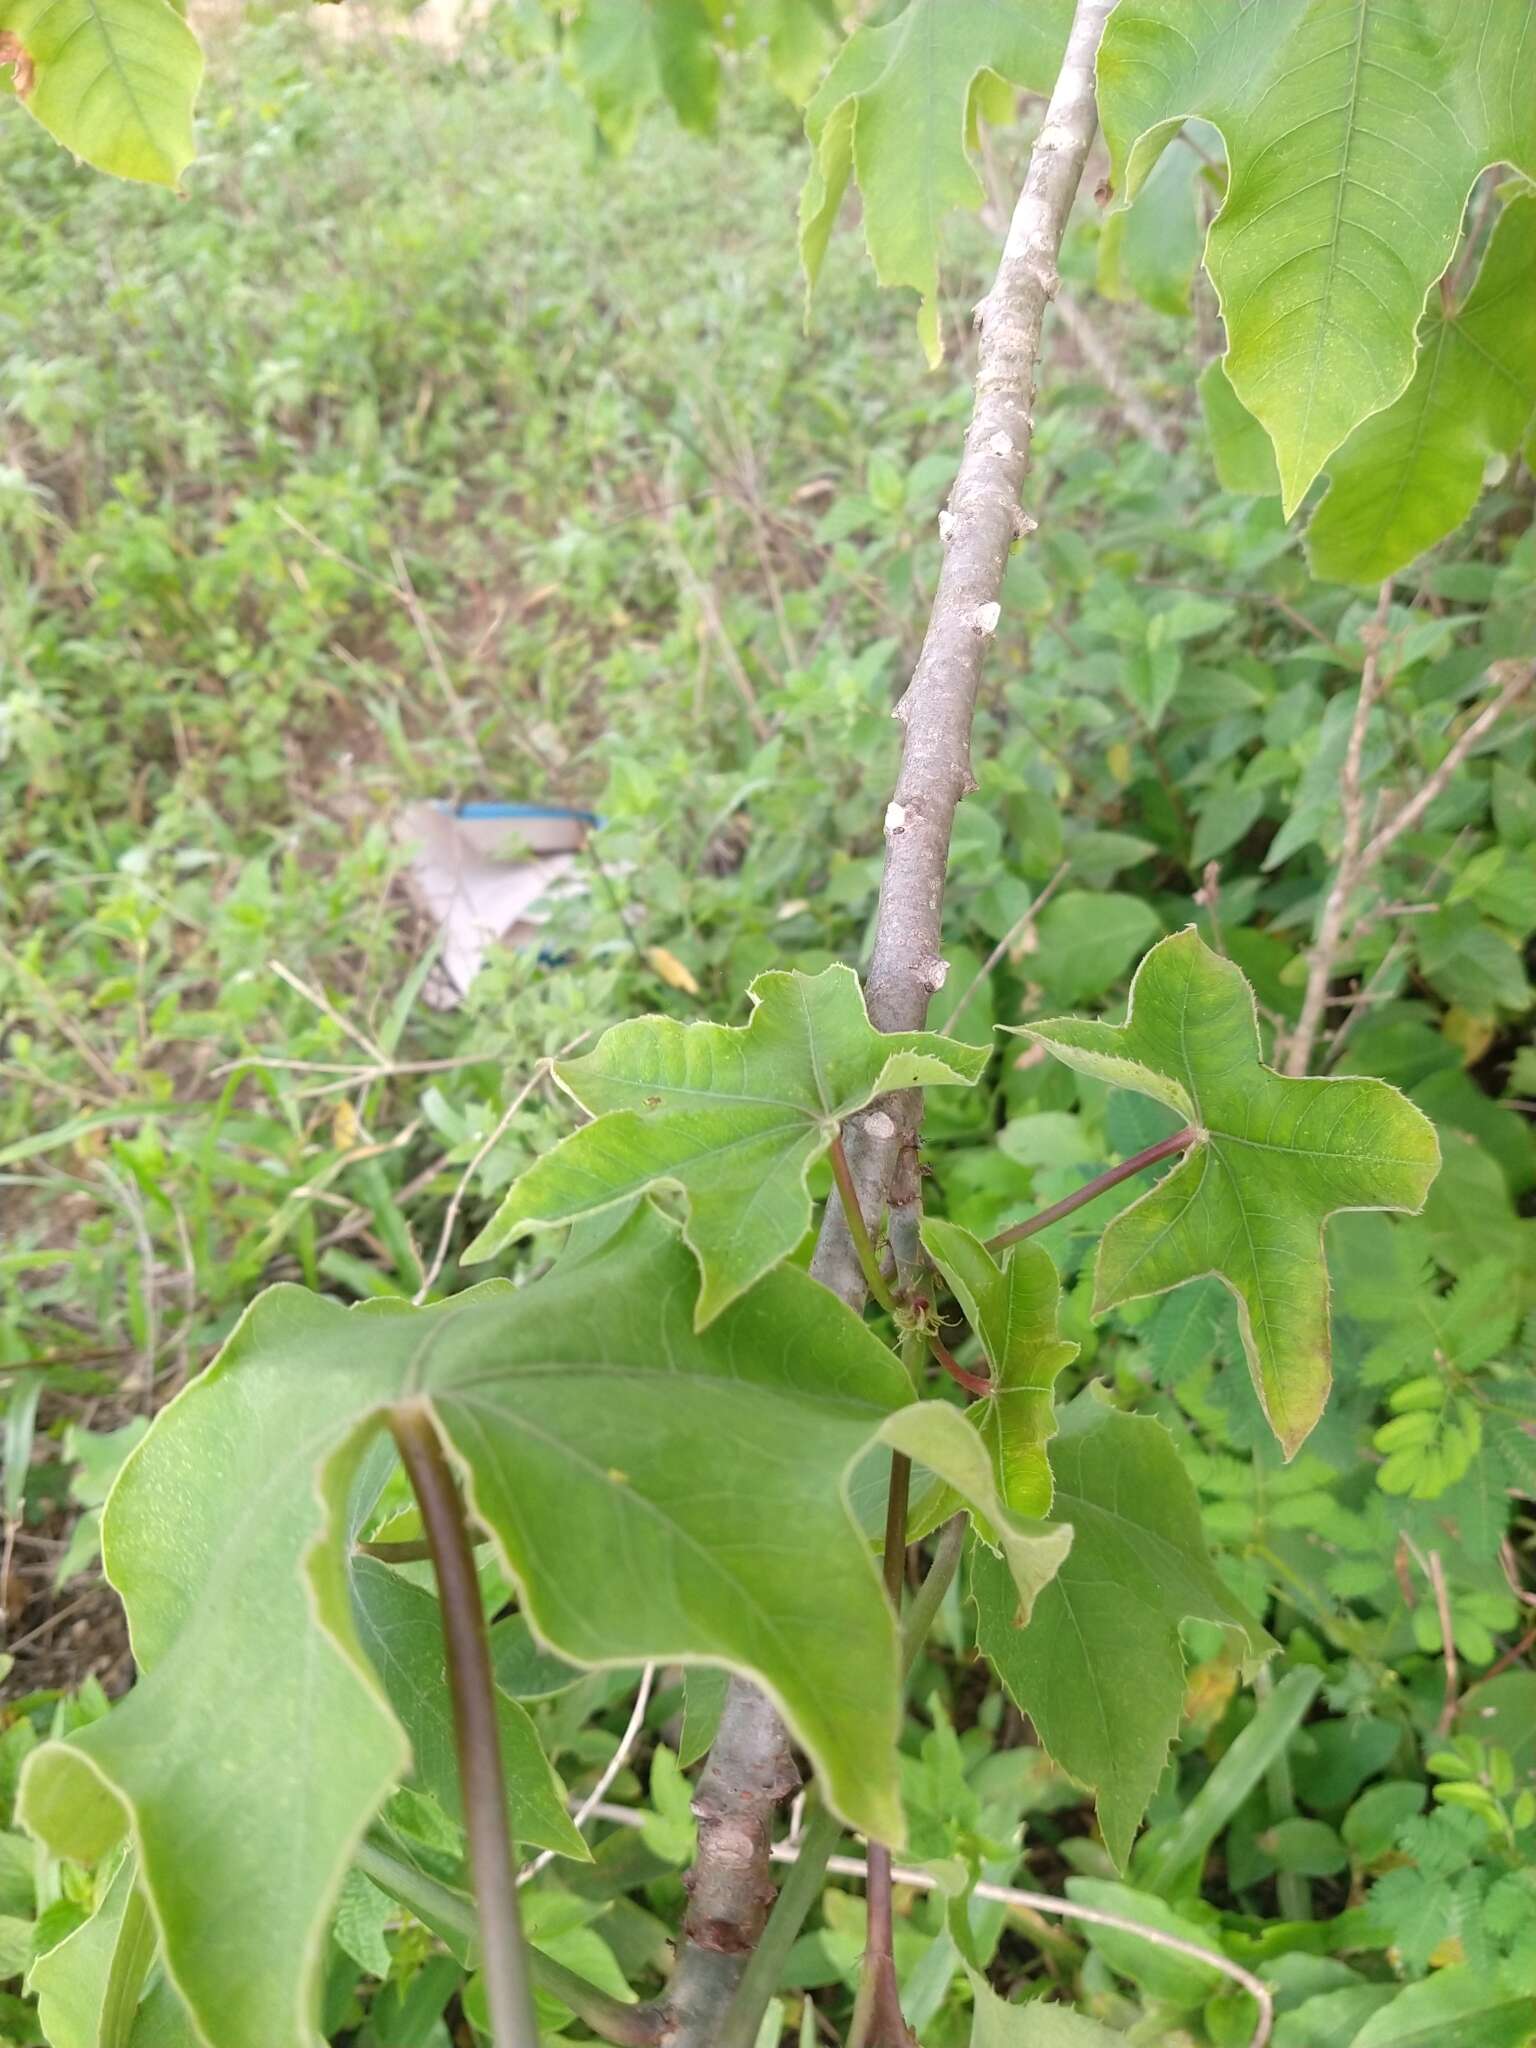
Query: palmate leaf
[[897, 110], [1098, 1668], [1406, 477], [113, 80], [1354, 132], [733, 1116], [653, 1491], [1013, 1308], [1272, 1161]]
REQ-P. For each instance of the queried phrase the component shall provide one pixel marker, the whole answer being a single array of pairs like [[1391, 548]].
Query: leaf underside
[[1275, 1158], [1354, 133], [629, 1470]]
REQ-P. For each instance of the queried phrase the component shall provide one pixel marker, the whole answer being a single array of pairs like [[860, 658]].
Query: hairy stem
[[477, 1736], [983, 519], [451, 1913], [1166, 1148]]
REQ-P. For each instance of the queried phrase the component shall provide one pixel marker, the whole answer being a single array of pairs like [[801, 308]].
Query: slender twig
[[798, 1893], [858, 1229], [615, 1764], [1111, 373], [477, 1735], [1346, 876], [1448, 1644], [328, 1009], [1037, 1902], [1517, 679], [1006, 944], [441, 1907], [451, 1215], [1357, 861], [981, 523], [1166, 1148], [929, 1597]]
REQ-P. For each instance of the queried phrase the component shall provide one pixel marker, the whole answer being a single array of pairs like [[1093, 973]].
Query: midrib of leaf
[[114, 63], [1350, 111], [733, 1585]]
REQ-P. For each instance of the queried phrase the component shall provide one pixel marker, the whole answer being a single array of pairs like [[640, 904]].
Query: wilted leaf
[[1099, 1669], [731, 1115], [1273, 1159]]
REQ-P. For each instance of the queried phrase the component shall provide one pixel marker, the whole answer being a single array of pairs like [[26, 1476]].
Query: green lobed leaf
[[1273, 1159], [1354, 133], [1099, 1669], [897, 111], [731, 1115], [112, 80], [631, 1472], [1013, 1307], [1407, 476], [1151, 250]]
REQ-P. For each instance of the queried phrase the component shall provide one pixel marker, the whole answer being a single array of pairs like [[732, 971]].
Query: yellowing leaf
[[1354, 132], [671, 970], [1273, 1159], [1408, 475], [733, 1116], [112, 80]]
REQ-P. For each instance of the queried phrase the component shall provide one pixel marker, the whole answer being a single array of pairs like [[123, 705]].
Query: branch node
[[984, 620]]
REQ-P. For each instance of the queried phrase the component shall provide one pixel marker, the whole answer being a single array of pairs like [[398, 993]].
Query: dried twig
[[615, 1764], [1347, 875], [1006, 944], [1360, 857], [483, 1151], [1028, 1902]]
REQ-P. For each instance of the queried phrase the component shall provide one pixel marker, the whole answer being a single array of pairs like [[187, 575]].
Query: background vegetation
[[386, 466]]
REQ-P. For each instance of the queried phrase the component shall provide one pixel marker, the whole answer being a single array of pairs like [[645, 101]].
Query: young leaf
[[654, 1491], [1408, 475], [897, 109], [996, 2024], [1272, 1161], [1353, 137], [1013, 1308], [113, 80], [1098, 1668], [731, 1115]]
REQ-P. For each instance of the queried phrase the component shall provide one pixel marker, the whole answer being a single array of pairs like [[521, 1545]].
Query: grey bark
[[982, 521]]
